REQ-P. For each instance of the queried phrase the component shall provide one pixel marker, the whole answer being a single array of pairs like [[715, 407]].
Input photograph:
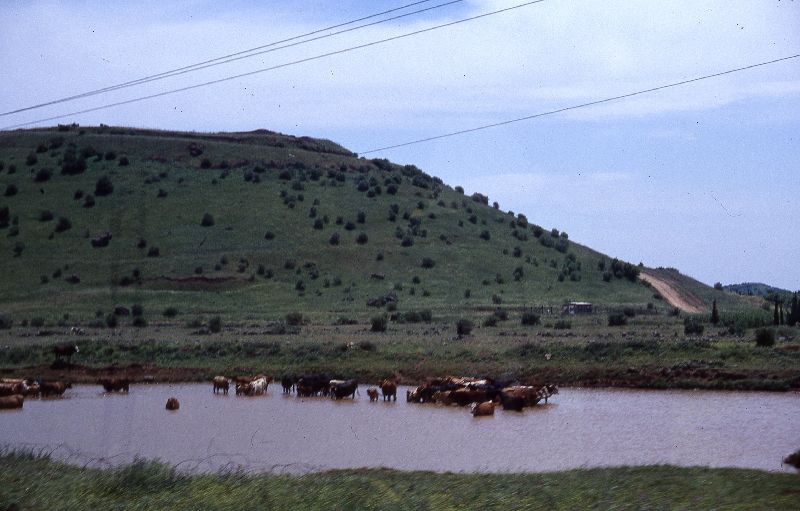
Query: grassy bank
[[28, 483], [651, 351]]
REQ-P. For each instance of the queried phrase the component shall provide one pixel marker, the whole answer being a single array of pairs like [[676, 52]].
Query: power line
[[244, 54], [575, 107], [272, 68]]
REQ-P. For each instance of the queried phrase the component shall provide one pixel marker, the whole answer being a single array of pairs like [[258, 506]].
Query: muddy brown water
[[578, 428]]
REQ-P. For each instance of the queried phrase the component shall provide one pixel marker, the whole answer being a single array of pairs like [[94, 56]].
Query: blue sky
[[703, 178]]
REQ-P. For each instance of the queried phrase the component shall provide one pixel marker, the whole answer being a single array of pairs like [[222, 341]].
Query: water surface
[[578, 428]]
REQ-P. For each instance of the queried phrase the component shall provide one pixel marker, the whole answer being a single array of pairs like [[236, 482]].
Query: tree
[[775, 317], [714, 313]]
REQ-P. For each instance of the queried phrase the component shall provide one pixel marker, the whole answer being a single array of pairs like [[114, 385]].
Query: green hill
[[258, 224]]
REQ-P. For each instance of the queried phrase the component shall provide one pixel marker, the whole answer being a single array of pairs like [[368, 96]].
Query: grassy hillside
[[278, 205]]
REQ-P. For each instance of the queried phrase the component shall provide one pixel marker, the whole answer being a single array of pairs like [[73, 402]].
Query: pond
[[286, 434]]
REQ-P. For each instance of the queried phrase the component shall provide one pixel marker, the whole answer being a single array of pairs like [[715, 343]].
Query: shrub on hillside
[[45, 215], [294, 319], [362, 238], [11, 190], [111, 321], [562, 324], [463, 327], [428, 263], [31, 159], [490, 321], [765, 337], [207, 220], [124, 162], [139, 321], [530, 318], [170, 312], [693, 326], [378, 323], [153, 252], [334, 239], [42, 175], [617, 319], [88, 201], [215, 324]]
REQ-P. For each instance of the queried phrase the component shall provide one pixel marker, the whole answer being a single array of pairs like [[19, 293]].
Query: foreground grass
[[28, 482]]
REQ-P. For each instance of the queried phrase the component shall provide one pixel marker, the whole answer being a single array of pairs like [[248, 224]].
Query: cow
[[11, 402], [443, 397], [304, 390], [373, 394], [318, 383], [115, 384], [10, 389], [389, 390], [466, 396], [512, 402], [173, 404], [344, 389], [482, 409], [53, 388], [257, 387], [287, 382], [221, 383], [65, 350], [530, 395], [32, 390]]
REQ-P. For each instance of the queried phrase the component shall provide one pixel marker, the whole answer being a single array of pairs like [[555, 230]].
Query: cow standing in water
[[221, 383], [389, 390]]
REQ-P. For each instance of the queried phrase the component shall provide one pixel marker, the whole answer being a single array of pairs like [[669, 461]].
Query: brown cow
[[443, 397], [530, 395], [221, 383], [389, 390], [173, 404], [464, 397], [11, 389], [11, 402], [482, 409], [115, 384], [65, 350], [53, 388], [373, 394]]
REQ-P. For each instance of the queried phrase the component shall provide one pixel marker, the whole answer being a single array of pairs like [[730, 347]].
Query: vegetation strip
[[30, 482]]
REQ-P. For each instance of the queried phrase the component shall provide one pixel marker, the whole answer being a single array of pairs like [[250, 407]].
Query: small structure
[[573, 308]]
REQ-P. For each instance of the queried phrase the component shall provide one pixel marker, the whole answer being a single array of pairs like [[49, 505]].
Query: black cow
[[341, 390], [65, 350], [287, 382]]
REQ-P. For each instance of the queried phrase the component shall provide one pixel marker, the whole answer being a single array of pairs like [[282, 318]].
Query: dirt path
[[673, 294]]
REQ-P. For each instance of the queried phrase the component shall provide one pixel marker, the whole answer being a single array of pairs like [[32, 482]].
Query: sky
[[703, 177]]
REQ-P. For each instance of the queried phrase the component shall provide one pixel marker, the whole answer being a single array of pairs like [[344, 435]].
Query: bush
[[111, 321], [207, 220], [139, 322], [617, 319], [170, 312], [428, 263], [378, 323], [63, 224], [269, 235], [45, 216], [137, 310], [215, 324], [562, 324], [463, 327], [294, 319], [88, 201], [765, 337], [103, 187], [5, 321], [530, 318], [11, 190], [31, 159], [124, 162], [37, 322], [153, 252], [334, 239], [362, 238], [692, 326], [490, 321], [43, 175]]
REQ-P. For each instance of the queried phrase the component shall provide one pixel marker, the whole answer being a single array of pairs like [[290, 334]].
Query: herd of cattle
[[481, 394]]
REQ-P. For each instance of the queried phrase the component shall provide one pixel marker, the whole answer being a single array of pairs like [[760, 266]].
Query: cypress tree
[[794, 312], [782, 322], [714, 313], [775, 318]]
